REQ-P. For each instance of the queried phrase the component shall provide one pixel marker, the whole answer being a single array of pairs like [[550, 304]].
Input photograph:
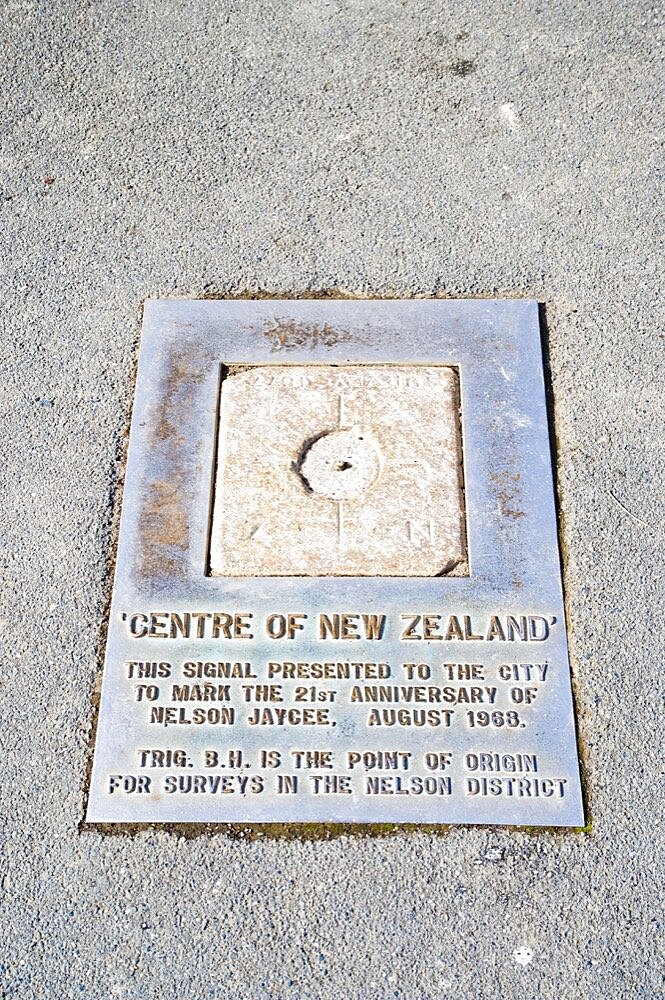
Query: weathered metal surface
[[414, 698]]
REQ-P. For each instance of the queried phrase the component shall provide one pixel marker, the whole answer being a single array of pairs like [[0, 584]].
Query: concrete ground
[[423, 148]]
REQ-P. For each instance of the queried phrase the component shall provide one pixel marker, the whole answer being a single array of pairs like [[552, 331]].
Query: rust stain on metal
[[506, 486], [289, 334], [165, 431], [163, 521], [180, 376], [163, 525]]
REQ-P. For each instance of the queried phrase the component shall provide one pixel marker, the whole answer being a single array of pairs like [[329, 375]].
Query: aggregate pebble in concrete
[[431, 148]]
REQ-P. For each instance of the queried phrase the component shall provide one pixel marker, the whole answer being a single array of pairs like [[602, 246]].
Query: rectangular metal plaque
[[337, 595]]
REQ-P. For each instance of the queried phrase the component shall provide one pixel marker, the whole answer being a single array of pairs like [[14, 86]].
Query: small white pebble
[[523, 955], [510, 114]]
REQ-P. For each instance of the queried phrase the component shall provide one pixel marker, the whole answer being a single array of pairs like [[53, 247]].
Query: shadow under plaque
[[337, 593]]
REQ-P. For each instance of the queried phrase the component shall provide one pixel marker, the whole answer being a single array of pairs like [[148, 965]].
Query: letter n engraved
[[421, 531], [287, 784]]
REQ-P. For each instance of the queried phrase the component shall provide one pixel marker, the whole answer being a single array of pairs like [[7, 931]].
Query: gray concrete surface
[[417, 148]]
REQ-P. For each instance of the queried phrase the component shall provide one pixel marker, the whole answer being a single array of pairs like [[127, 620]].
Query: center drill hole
[[343, 466]]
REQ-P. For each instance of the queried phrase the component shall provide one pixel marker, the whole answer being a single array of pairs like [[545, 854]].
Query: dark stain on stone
[[453, 564], [462, 67], [302, 455]]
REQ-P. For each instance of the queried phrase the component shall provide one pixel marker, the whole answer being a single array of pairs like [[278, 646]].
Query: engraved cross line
[[340, 511]]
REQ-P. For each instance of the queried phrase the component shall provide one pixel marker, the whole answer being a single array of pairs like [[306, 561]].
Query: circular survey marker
[[341, 465]]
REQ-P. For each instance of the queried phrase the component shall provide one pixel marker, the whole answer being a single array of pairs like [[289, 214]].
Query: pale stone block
[[338, 471]]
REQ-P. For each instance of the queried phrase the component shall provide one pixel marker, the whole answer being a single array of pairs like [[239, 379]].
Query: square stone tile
[[338, 471]]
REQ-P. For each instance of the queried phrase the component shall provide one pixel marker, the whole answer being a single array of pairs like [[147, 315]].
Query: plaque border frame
[[512, 542]]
